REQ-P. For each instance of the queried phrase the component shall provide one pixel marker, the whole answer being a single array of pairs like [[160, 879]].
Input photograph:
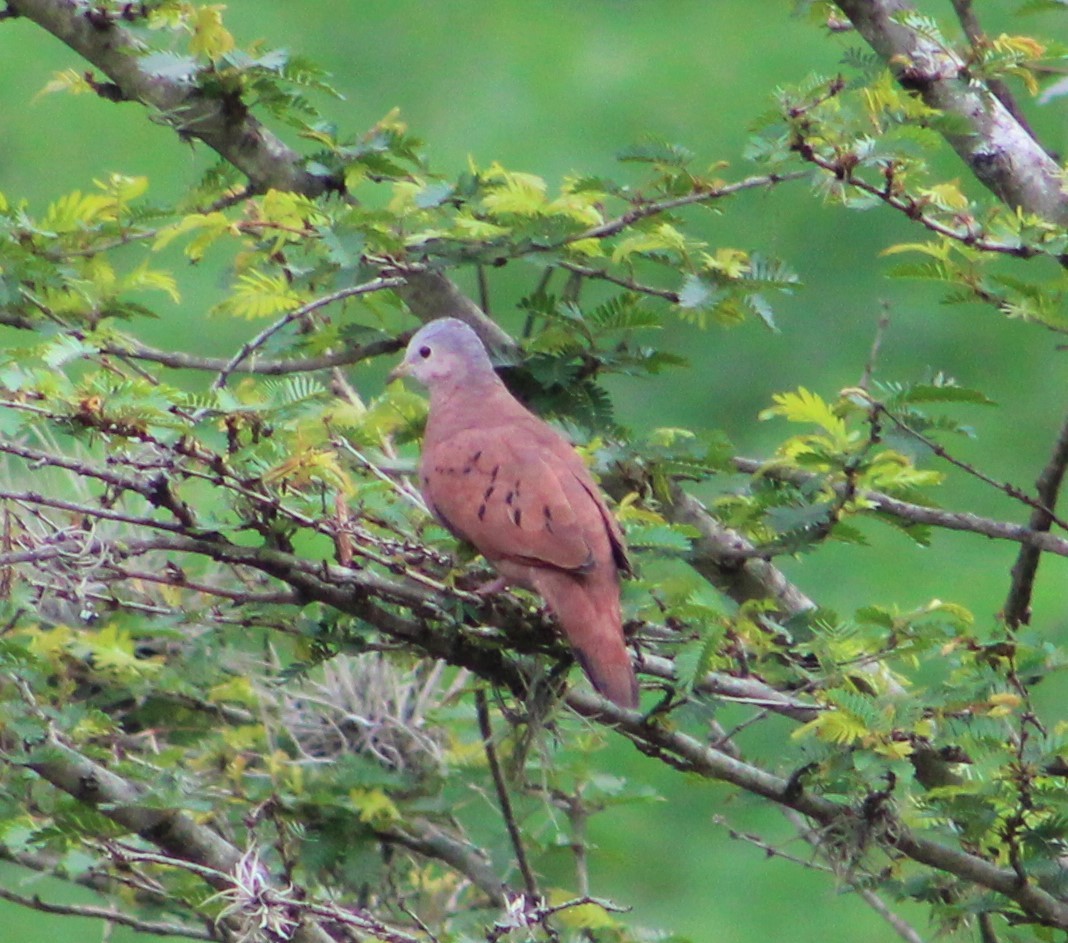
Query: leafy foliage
[[224, 602]]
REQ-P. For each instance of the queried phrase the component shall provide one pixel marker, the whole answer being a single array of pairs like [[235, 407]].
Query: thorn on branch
[[109, 91], [99, 18]]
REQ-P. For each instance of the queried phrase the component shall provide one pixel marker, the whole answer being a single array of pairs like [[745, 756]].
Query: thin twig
[[508, 814], [111, 916], [914, 209], [769, 850], [623, 281], [876, 345], [166, 578], [1017, 609], [1006, 487], [89, 511], [280, 367], [707, 194], [900, 926], [922, 514], [248, 348]]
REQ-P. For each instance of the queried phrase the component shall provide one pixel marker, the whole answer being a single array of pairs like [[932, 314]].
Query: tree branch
[[690, 754], [174, 832], [179, 360], [109, 915], [969, 21], [247, 349], [224, 123], [997, 149], [1017, 610], [431, 842], [933, 516], [501, 788]]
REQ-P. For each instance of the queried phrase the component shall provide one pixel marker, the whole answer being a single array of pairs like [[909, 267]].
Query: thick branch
[[223, 123], [691, 754], [174, 832], [722, 557], [719, 554], [356, 591], [996, 148], [431, 842], [431, 295]]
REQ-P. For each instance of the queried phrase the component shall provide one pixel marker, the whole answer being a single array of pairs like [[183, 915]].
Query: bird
[[501, 478]]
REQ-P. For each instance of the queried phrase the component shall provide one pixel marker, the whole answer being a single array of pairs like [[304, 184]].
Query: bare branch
[[247, 349], [432, 842], [280, 367], [110, 915], [645, 210], [501, 787], [1018, 605]]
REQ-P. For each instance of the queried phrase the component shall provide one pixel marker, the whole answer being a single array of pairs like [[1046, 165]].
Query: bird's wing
[[511, 493]]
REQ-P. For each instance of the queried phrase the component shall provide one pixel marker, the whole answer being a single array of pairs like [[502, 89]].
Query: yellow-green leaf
[[211, 226], [375, 807], [66, 81], [661, 238], [804, 406], [259, 295], [517, 193], [210, 38]]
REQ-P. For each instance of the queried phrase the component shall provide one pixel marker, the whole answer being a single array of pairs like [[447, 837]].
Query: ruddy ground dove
[[501, 478]]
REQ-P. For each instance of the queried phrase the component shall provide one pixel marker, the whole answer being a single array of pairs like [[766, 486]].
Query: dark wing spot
[[474, 458], [488, 493], [508, 498], [468, 469], [482, 512], [493, 474], [548, 518], [517, 516]]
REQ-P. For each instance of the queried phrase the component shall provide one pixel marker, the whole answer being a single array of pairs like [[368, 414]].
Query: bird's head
[[443, 353]]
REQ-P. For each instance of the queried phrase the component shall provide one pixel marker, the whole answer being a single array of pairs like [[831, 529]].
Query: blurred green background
[[560, 86]]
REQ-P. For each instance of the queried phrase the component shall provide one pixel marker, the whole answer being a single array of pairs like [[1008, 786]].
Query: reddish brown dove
[[496, 475]]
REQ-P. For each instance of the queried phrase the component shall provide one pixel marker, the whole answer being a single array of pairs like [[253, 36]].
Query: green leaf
[[656, 152]]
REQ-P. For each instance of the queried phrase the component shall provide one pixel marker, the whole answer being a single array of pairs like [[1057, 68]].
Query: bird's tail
[[587, 608]]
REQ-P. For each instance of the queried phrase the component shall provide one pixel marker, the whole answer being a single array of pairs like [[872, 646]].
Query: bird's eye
[[424, 352]]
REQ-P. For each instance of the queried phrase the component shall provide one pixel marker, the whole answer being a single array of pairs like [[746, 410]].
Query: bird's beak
[[402, 369]]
